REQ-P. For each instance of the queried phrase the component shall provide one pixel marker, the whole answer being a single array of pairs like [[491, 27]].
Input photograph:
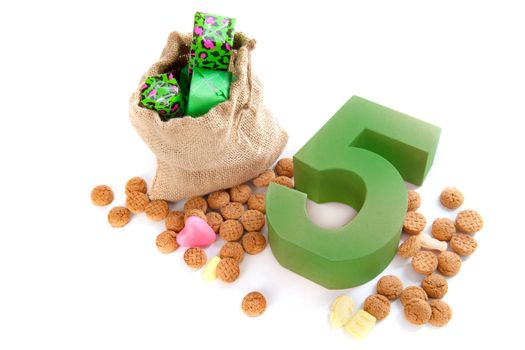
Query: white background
[[70, 281]]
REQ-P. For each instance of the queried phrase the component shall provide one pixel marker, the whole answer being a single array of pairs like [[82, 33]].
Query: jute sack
[[232, 143]]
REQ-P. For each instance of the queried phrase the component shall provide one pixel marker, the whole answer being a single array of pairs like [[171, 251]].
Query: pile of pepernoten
[[204, 82]]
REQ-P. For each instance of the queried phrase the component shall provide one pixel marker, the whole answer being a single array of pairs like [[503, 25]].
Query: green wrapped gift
[[212, 43], [161, 93], [208, 88]]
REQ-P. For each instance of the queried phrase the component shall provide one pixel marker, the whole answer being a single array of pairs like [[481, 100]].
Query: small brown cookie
[[253, 220], [240, 193], [417, 311], [195, 257], [167, 242], [264, 179], [253, 304], [136, 184], [424, 262], [196, 202], [218, 199], [378, 306], [414, 223], [284, 167], [136, 202], [157, 210], [469, 221], [119, 216], [232, 210], [441, 313], [412, 292], [443, 229], [463, 244], [228, 270], [195, 212], [451, 198], [257, 201], [390, 286], [232, 250], [414, 201], [449, 263], [102, 195], [214, 220], [284, 181], [435, 286], [175, 221], [231, 230], [253, 242], [410, 247]]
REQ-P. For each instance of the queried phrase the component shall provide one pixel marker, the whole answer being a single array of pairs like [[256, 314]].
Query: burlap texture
[[232, 143]]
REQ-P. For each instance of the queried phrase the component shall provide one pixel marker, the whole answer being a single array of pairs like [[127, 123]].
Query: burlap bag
[[232, 143]]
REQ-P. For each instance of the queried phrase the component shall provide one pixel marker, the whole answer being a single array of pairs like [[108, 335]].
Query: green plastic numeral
[[359, 157]]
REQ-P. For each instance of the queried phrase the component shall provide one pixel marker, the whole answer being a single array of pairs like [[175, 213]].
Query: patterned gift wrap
[[161, 93], [212, 42]]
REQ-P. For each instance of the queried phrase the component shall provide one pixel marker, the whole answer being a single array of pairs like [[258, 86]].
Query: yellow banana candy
[[341, 311], [361, 324], [209, 273]]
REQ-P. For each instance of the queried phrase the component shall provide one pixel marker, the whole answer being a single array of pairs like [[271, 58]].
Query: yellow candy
[[209, 272], [341, 311], [361, 324]]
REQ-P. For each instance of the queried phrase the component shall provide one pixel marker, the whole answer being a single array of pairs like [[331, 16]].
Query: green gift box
[[161, 93], [212, 42], [208, 88]]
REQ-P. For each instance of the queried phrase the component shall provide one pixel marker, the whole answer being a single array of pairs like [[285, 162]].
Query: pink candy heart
[[196, 233]]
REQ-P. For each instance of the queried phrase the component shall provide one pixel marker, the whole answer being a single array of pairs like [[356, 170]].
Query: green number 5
[[359, 157]]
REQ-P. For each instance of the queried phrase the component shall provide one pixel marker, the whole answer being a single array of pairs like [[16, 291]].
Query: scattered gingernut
[[196, 202], [414, 201], [232, 210], [195, 257], [195, 212], [430, 243], [136, 184], [253, 242], [414, 223], [253, 220], [378, 306], [389, 286], [424, 262], [283, 180], [240, 193], [232, 250], [435, 286], [157, 210], [441, 313], [469, 221], [257, 201], [417, 311], [136, 202], [449, 263], [228, 270], [119, 217], [463, 244], [443, 229], [102, 195], [263, 180], [214, 220], [410, 247], [451, 198], [253, 304], [167, 242], [284, 167], [412, 292], [218, 199], [175, 221], [231, 230]]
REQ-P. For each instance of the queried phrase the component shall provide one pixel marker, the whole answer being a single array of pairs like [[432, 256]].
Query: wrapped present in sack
[[233, 142]]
